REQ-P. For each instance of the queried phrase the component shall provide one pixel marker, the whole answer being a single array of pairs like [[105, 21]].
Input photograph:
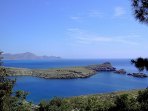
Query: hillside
[[27, 56]]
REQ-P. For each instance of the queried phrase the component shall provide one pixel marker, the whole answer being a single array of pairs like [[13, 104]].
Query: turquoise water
[[102, 82]]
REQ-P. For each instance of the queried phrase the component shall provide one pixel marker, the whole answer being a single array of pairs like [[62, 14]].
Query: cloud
[[82, 37], [87, 15], [103, 39], [95, 13], [75, 17], [73, 29], [119, 11]]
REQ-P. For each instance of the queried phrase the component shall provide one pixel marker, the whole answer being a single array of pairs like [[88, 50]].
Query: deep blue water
[[103, 82]]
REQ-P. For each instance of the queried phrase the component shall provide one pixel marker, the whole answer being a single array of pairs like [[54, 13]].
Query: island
[[61, 73]]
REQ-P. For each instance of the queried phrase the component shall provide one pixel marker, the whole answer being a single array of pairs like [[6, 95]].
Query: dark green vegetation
[[140, 63], [120, 101], [140, 8], [9, 100]]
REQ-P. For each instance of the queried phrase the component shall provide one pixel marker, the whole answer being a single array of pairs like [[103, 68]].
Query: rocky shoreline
[[61, 73], [70, 72], [139, 75]]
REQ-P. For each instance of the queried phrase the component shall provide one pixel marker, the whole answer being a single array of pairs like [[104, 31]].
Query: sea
[[103, 82]]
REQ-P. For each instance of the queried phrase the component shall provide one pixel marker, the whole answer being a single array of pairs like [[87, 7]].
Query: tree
[[140, 63], [8, 102], [6, 86], [140, 9], [125, 103], [143, 100]]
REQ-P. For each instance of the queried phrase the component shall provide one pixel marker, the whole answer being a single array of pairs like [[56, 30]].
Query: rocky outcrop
[[121, 71], [139, 75], [102, 67]]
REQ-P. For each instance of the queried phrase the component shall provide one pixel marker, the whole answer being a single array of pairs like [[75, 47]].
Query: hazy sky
[[72, 28]]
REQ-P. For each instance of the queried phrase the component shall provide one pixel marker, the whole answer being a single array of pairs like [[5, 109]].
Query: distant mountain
[[27, 56]]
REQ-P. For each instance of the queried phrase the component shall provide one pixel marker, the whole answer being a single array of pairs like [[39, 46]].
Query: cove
[[103, 82]]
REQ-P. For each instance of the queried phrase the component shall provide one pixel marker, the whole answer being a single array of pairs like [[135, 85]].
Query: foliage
[[126, 101], [56, 104], [8, 102], [6, 86], [75, 104], [140, 63], [140, 8], [143, 100], [21, 94]]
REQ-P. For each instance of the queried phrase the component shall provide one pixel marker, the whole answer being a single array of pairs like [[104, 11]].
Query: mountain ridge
[[27, 56]]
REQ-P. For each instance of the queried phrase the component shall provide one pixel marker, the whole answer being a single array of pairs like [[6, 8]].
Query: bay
[[102, 82]]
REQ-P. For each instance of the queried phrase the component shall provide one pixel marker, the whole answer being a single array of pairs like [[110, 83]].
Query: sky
[[72, 28]]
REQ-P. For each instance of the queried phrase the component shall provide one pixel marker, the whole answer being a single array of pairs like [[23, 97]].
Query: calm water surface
[[103, 82]]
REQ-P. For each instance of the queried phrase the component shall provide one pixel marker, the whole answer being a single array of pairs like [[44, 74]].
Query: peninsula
[[61, 73]]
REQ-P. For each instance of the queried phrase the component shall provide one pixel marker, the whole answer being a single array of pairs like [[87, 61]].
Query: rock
[[121, 71], [140, 75], [102, 67], [129, 74]]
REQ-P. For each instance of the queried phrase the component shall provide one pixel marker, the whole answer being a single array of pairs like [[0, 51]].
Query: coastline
[[61, 73], [111, 95]]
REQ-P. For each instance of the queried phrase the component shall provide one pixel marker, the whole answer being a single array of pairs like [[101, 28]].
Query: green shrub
[[125, 103], [143, 100]]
